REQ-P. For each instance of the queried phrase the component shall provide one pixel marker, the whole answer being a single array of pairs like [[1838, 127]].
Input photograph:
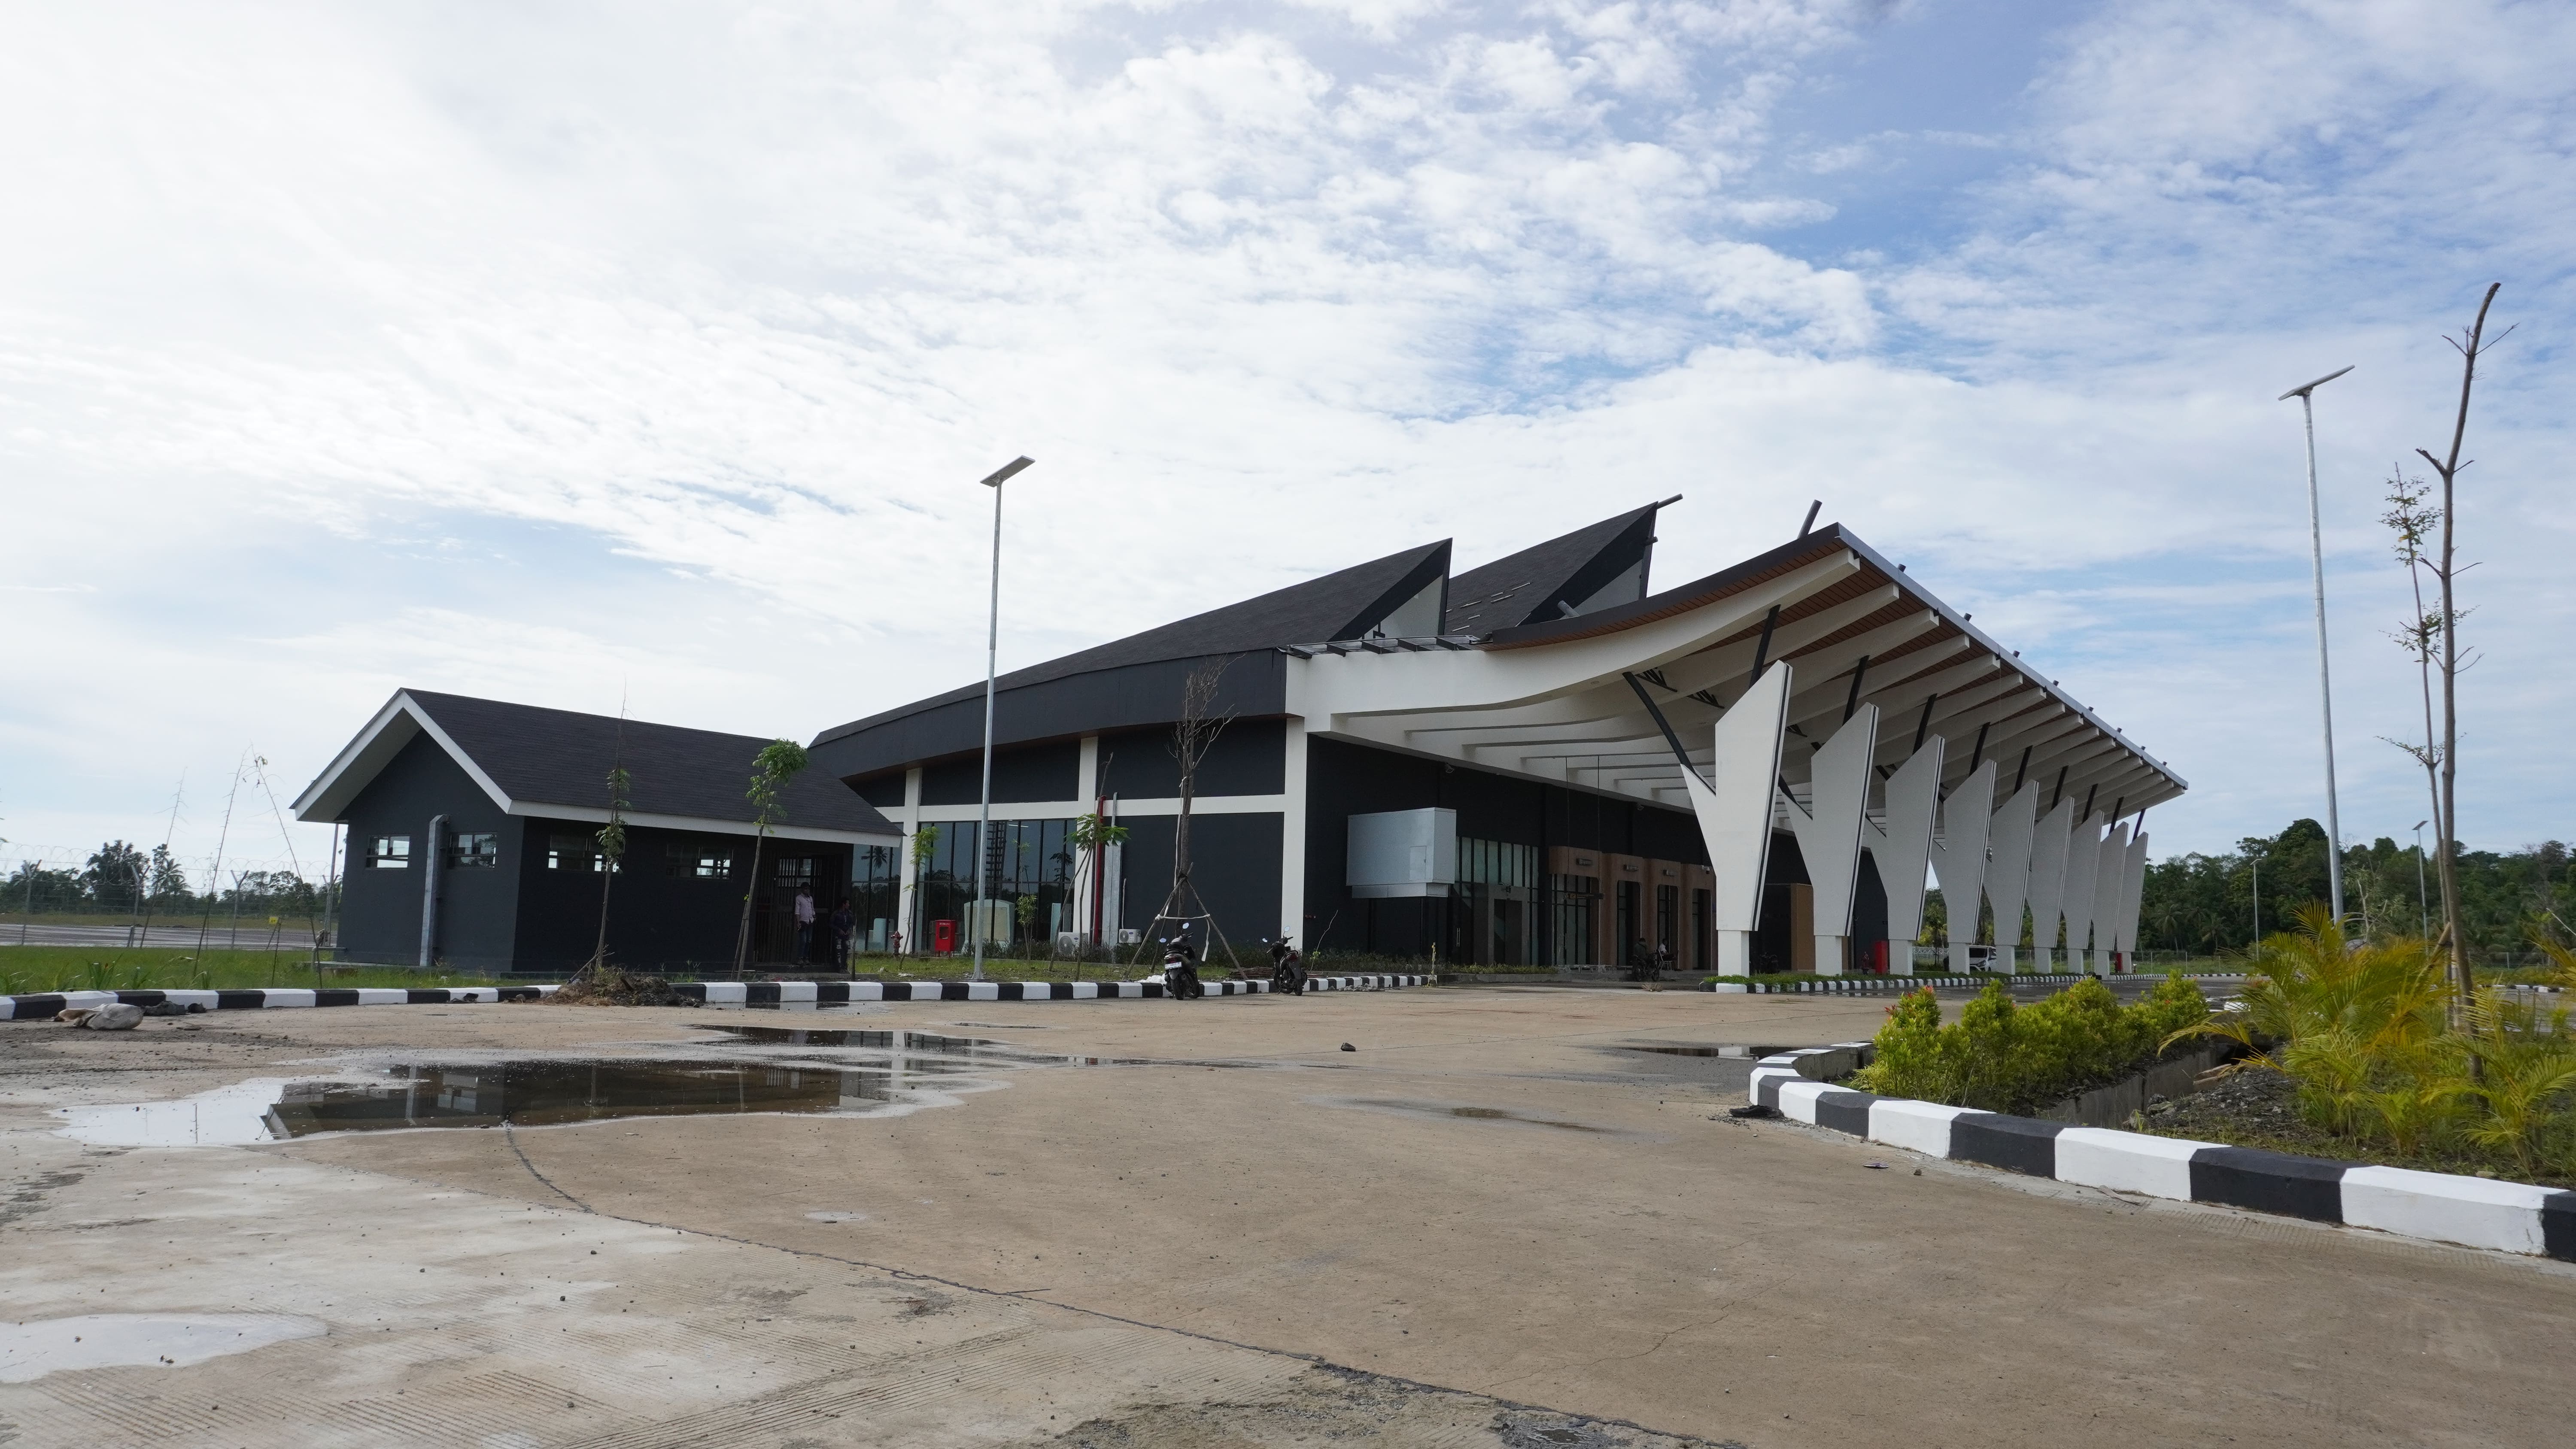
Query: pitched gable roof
[[555, 762], [1526, 587], [1341, 605]]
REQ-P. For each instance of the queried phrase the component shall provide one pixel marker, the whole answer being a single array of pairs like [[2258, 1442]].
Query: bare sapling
[[2471, 345], [2414, 522], [1193, 735]]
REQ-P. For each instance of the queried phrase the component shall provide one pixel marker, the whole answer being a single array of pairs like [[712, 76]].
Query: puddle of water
[[968, 1048], [526, 1093], [30, 1351], [882, 1041]]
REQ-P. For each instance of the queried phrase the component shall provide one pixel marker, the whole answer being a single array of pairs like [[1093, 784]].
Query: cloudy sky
[[577, 353]]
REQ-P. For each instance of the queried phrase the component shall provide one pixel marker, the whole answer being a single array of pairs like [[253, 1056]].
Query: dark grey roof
[[1341, 605], [558, 757], [1525, 587]]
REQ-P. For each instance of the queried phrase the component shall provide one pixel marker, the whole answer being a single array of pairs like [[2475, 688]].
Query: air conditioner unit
[[1397, 853]]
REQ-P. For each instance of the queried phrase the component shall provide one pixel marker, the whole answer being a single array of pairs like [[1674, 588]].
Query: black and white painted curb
[[713, 993], [1874, 985], [2481, 1213]]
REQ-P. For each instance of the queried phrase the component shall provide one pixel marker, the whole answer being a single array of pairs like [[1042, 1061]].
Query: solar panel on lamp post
[[980, 910], [2325, 680]]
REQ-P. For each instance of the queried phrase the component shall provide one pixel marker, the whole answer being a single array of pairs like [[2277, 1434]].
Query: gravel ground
[[2259, 1108]]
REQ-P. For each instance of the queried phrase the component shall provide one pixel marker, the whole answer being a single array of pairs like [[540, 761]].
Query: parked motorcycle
[[1287, 969], [1181, 973]]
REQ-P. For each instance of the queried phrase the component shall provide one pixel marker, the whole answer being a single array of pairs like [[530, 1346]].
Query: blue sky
[[575, 353]]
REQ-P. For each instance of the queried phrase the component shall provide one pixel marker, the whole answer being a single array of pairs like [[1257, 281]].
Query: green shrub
[[2366, 1032], [2002, 1057]]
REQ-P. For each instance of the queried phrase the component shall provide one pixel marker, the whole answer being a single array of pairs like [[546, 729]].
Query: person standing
[[845, 924], [804, 924]]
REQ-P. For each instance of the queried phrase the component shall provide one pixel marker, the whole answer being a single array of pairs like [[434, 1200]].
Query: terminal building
[[1542, 761]]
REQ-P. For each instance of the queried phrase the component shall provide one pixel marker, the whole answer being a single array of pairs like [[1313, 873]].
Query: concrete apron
[[1587, 1238]]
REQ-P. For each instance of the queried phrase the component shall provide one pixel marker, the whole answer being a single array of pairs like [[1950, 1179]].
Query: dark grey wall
[[380, 909], [1235, 864], [1048, 771], [656, 920], [1247, 758], [1111, 699]]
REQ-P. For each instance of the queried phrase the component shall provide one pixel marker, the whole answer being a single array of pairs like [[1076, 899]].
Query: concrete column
[[2048, 841], [1959, 857], [904, 922], [2008, 871], [1734, 811], [1086, 875], [2109, 874], [1828, 830], [2133, 881], [1292, 836], [1899, 850], [2083, 867]]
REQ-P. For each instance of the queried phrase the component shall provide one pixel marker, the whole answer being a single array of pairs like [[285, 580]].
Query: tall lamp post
[[2325, 681], [992, 646]]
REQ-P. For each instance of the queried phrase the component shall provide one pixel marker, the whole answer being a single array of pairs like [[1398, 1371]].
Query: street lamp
[[992, 645], [2325, 682]]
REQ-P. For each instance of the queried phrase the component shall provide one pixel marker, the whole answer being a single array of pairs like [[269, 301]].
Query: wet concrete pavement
[[1494, 1222]]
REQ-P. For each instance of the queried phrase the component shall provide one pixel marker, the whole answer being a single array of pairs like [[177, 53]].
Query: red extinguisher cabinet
[[943, 937]]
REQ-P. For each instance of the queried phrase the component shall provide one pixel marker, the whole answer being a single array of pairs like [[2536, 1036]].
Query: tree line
[[2208, 903], [120, 878]]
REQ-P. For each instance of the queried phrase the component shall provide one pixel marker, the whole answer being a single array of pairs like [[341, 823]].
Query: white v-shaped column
[[2133, 883], [1828, 831], [2108, 879], [2008, 874], [2048, 880], [1734, 813], [2083, 862], [1959, 858], [1901, 849]]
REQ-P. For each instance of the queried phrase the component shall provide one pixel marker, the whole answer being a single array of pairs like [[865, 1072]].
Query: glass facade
[[1029, 859], [876, 894], [1496, 904], [1572, 900]]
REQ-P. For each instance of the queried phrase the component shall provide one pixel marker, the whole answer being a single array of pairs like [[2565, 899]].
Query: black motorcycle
[[1287, 969], [1180, 973]]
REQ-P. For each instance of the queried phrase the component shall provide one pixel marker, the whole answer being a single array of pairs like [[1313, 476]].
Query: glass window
[[572, 852], [795, 871], [1574, 897], [391, 852], [467, 850], [1497, 863], [699, 859]]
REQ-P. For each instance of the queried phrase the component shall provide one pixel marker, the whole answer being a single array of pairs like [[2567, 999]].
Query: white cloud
[[552, 353]]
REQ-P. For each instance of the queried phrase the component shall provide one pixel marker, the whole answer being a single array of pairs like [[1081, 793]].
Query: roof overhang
[[1552, 701], [402, 720]]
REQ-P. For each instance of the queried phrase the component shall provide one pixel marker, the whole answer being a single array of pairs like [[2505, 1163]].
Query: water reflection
[[547, 1094]]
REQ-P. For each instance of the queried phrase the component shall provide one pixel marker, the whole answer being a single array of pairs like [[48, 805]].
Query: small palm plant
[[2526, 1081], [2360, 1028], [778, 762]]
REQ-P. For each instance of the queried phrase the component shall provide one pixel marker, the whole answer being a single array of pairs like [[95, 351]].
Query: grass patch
[[28, 970]]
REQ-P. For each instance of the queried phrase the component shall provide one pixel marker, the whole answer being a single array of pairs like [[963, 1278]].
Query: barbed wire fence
[[123, 893]]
